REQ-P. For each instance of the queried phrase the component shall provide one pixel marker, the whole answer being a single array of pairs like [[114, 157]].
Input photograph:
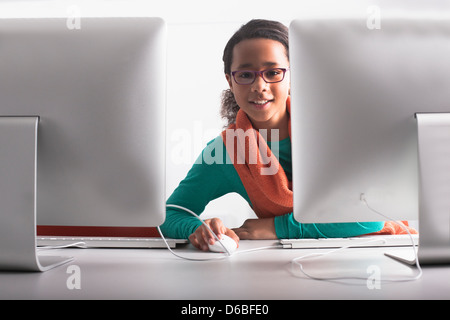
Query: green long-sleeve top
[[213, 175]]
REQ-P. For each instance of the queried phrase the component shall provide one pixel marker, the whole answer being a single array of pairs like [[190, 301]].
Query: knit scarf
[[264, 179]]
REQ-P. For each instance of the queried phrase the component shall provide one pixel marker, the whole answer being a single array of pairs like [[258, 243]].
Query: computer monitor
[[357, 93], [99, 91]]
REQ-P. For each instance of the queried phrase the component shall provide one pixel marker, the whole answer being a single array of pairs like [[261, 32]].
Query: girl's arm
[[288, 228], [208, 179]]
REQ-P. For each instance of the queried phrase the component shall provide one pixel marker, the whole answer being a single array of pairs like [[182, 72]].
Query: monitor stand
[[18, 164], [434, 190]]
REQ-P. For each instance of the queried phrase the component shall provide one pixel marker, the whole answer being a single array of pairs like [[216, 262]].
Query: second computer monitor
[[355, 90]]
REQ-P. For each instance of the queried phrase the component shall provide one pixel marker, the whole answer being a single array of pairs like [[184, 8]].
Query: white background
[[197, 33]]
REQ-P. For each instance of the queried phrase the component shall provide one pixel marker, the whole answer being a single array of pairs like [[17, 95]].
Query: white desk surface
[[157, 274]]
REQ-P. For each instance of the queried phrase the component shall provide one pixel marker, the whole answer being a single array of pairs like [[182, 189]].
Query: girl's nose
[[260, 84]]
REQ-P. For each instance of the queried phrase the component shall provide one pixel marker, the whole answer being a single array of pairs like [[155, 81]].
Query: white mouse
[[227, 242]]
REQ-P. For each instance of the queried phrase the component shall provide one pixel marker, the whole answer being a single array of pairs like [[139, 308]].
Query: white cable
[[416, 258], [295, 262], [321, 254], [79, 244]]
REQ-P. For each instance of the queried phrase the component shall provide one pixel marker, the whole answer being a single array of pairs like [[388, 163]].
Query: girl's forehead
[[256, 53]]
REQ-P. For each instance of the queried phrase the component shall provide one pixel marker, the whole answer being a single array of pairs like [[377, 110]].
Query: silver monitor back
[[99, 91], [355, 91]]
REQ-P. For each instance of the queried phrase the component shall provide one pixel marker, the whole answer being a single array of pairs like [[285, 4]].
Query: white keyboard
[[361, 242], [106, 242]]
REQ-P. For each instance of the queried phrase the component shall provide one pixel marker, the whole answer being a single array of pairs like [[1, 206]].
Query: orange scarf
[[270, 194]]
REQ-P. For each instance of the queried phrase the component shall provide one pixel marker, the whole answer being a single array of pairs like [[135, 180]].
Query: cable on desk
[[295, 262], [416, 258], [79, 244]]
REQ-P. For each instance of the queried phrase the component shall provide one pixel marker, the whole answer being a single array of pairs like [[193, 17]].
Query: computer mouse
[[227, 242]]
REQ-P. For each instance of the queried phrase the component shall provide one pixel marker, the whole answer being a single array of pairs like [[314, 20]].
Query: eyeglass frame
[[260, 73]]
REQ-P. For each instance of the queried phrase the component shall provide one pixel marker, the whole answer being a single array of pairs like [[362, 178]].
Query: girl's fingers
[[197, 240], [218, 228], [202, 236]]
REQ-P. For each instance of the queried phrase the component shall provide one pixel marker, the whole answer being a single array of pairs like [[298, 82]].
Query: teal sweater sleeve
[[288, 228], [213, 176]]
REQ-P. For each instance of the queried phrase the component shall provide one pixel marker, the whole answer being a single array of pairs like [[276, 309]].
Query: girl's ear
[[229, 80]]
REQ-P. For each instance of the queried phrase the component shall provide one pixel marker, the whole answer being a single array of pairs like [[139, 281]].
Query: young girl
[[256, 63]]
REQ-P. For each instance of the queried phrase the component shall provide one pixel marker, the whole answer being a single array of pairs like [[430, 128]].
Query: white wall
[[197, 33]]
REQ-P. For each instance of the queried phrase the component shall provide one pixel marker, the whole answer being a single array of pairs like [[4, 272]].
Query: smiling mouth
[[260, 103]]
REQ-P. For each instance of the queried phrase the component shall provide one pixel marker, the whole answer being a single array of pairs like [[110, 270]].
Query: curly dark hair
[[257, 28]]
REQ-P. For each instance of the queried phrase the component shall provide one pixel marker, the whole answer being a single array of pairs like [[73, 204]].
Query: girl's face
[[264, 103]]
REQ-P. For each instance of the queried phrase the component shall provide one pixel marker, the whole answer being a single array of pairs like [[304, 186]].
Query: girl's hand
[[257, 229], [202, 236]]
